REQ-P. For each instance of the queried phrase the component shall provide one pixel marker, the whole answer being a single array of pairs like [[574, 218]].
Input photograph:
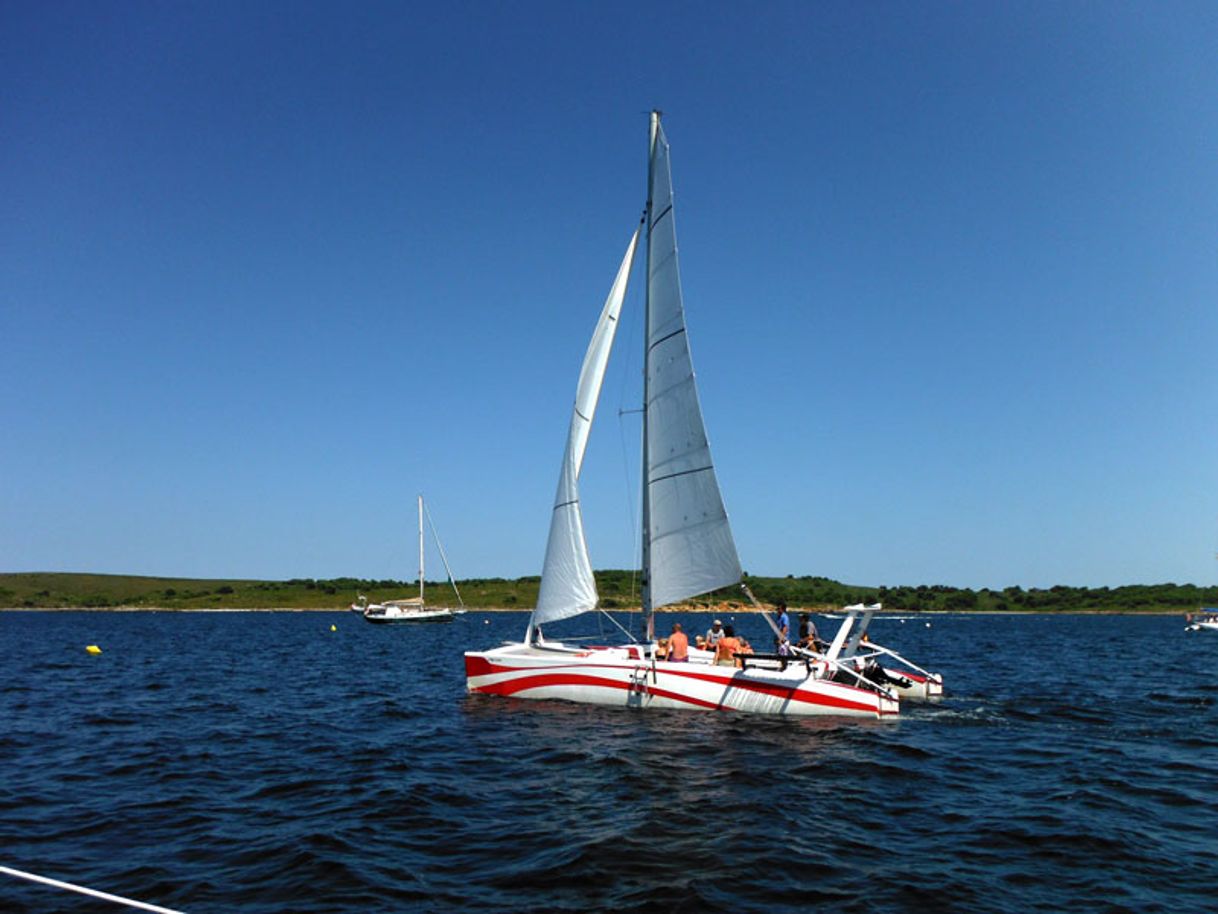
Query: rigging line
[[623, 630], [105, 896], [443, 557], [765, 613]]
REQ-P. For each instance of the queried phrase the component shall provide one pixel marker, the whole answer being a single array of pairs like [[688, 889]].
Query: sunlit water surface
[[259, 762]]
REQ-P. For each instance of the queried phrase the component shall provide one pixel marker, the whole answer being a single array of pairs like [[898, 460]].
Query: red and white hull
[[623, 677]]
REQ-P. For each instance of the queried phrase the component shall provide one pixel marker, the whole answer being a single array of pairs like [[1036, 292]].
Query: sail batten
[[567, 585], [688, 538]]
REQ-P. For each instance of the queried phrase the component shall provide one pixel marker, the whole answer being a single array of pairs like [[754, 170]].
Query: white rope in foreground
[[118, 899]]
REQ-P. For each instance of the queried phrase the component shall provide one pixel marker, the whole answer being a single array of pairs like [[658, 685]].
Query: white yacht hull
[[622, 677], [1201, 627], [391, 614]]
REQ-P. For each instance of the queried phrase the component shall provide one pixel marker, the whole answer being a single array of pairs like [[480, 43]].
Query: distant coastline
[[679, 608], [618, 589]]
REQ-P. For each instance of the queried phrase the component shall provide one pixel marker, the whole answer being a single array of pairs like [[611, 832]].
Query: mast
[[420, 548], [648, 611]]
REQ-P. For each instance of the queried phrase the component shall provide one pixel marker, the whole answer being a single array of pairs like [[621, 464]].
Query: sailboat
[[413, 609], [687, 543], [1206, 620]]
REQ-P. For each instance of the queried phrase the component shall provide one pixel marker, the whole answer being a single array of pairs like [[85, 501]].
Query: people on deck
[[713, 634], [726, 647], [678, 645], [808, 636], [662, 649]]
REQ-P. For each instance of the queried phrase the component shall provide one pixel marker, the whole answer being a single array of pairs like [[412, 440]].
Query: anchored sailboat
[[687, 542], [413, 609]]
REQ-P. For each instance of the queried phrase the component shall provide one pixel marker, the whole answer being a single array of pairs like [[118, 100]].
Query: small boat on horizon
[[413, 609]]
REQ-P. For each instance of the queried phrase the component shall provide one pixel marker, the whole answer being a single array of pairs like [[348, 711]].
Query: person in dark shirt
[[808, 636]]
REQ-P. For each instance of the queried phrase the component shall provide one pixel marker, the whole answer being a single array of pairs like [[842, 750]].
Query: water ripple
[[261, 763]]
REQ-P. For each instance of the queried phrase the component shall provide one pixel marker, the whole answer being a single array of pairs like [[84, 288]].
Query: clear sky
[[269, 269]]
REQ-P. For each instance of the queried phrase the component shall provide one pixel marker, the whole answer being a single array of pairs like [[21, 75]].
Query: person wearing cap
[[713, 634]]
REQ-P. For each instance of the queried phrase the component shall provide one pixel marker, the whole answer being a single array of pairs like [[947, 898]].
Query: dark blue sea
[[259, 762]]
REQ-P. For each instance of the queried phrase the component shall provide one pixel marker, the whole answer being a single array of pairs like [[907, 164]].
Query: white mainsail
[[688, 535], [567, 585]]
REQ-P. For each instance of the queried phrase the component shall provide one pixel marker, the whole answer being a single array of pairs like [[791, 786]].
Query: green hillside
[[618, 590]]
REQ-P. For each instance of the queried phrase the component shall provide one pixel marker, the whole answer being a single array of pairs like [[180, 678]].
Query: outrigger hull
[[623, 677], [920, 687]]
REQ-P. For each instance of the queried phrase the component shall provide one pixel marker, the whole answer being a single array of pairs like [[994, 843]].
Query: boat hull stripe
[[528, 677], [545, 680]]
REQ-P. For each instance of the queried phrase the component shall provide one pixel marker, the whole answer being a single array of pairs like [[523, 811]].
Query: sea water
[[260, 762]]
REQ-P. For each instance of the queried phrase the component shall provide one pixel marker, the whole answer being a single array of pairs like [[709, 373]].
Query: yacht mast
[[420, 548], [648, 611]]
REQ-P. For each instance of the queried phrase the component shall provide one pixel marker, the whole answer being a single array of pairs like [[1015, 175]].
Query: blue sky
[[268, 270]]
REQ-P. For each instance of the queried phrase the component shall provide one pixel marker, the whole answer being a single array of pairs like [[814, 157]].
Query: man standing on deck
[[678, 645], [713, 634], [783, 639]]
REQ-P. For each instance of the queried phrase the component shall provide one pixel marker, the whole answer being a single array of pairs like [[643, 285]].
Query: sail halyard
[[567, 584], [687, 539]]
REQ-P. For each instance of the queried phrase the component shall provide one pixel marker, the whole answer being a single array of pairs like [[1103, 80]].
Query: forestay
[[567, 585], [690, 541]]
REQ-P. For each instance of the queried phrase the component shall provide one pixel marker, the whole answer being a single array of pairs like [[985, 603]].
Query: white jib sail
[[691, 545], [567, 585]]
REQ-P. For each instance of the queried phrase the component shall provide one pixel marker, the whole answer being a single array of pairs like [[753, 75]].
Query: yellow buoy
[[333, 628], [93, 649]]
